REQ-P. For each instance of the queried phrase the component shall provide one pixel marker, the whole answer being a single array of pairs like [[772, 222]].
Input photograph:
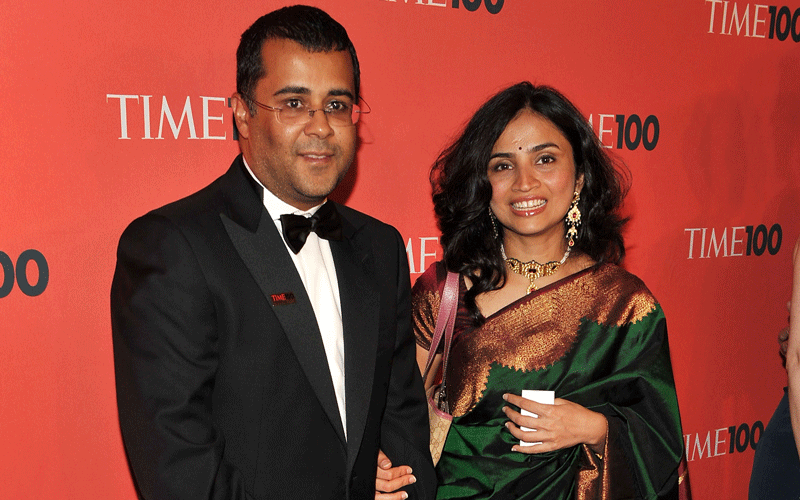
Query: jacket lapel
[[360, 308], [261, 247]]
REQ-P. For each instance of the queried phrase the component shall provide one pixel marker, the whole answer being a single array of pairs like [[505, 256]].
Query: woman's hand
[[560, 425]]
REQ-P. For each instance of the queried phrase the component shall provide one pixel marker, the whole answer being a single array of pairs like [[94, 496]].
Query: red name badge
[[282, 299]]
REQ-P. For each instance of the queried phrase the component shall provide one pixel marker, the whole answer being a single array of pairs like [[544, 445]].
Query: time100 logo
[[18, 273]]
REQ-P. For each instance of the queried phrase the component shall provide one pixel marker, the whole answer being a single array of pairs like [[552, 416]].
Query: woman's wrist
[[597, 441]]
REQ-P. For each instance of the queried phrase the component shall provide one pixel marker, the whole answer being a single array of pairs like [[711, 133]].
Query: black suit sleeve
[[165, 356], [405, 433]]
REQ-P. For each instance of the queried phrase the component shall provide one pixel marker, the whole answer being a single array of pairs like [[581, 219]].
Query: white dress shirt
[[315, 266]]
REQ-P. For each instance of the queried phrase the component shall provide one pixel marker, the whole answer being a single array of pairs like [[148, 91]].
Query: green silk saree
[[597, 338]]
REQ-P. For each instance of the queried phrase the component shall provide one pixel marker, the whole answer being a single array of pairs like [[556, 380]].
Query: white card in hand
[[544, 397]]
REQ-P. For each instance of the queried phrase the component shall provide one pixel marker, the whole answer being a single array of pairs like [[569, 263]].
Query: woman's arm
[[793, 351], [422, 359]]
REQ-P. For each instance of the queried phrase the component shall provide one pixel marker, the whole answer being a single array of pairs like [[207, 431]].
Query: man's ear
[[241, 115]]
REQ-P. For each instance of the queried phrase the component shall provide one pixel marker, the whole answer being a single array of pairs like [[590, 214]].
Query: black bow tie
[[326, 223]]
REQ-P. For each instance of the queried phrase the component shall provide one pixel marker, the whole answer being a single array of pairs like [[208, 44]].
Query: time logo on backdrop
[[754, 20], [724, 441], [626, 132], [139, 114], [491, 6], [421, 253], [738, 241], [19, 273]]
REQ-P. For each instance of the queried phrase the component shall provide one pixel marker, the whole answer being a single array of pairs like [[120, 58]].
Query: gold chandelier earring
[[493, 219], [573, 219]]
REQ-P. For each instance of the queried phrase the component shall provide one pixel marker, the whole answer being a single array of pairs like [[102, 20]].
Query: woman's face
[[532, 173]]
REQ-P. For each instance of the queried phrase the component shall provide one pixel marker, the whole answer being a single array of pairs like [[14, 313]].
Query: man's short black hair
[[308, 26]]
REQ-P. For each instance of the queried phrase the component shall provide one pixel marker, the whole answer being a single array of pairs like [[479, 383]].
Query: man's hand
[[389, 479]]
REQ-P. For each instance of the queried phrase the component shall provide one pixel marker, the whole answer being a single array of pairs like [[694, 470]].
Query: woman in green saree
[[527, 201]]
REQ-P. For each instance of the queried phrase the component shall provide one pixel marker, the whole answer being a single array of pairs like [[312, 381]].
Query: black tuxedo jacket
[[223, 387]]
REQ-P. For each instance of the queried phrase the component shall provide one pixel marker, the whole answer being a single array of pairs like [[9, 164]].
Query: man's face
[[300, 164]]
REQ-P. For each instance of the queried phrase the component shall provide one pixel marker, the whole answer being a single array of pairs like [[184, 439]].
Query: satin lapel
[[359, 298], [265, 255]]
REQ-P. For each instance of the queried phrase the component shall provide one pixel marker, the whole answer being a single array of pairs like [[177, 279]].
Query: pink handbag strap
[[445, 322]]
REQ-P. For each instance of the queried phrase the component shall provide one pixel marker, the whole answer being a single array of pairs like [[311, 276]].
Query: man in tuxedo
[[262, 338]]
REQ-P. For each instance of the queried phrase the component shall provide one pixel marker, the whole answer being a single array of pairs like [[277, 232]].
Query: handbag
[[439, 416]]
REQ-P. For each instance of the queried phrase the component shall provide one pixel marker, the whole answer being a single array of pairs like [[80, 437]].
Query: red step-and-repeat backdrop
[[113, 108]]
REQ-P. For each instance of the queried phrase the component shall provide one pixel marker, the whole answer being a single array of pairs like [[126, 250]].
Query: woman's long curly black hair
[[462, 192]]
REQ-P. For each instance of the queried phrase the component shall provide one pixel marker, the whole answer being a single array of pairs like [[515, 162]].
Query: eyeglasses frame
[[356, 111]]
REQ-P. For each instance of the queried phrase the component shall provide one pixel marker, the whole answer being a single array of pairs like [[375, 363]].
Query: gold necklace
[[533, 269]]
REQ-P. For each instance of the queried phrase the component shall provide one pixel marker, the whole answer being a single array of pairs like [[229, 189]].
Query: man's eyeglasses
[[296, 112]]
